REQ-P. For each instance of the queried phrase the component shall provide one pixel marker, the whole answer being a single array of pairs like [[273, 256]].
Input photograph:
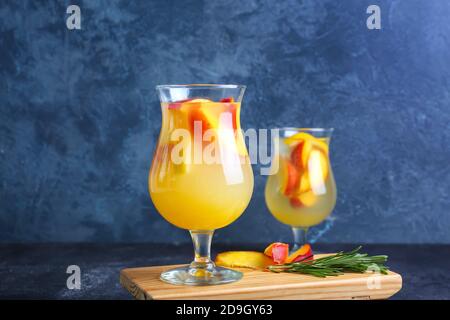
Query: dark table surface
[[39, 271]]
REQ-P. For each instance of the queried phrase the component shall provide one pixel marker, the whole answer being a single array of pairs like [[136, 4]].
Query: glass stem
[[299, 237], [202, 248]]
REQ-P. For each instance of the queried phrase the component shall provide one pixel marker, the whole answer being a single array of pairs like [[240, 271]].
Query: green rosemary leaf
[[336, 264]]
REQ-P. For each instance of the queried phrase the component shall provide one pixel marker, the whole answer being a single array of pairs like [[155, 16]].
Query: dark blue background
[[80, 117]]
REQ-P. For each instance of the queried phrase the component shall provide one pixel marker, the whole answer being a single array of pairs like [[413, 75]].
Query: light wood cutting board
[[144, 283]]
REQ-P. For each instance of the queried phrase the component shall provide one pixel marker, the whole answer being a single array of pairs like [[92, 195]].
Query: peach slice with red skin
[[302, 144], [300, 154], [289, 177], [206, 121], [229, 99], [201, 110], [302, 254], [309, 155], [178, 104], [196, 113], [207, 114], [303, 136], [278, 251], [296, 155], [275, 253], [231, 107], [295, 202]]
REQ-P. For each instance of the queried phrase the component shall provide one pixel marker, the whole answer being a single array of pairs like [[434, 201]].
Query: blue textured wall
[[80, 118]]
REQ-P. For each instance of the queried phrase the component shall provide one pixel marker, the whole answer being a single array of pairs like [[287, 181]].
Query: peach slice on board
[[243, 259], [278, 251], [303, 253]]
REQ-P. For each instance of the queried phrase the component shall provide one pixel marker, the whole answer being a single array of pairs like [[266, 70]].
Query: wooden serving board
[[144, 283]]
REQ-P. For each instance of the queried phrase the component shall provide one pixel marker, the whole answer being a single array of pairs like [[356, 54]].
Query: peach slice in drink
[[306, 180], [317, 170], [302, 144], [289, 177], [304, 183], [213, 115]]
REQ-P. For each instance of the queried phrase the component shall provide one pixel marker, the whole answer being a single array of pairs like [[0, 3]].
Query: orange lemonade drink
[[302, 191], [201, 177]]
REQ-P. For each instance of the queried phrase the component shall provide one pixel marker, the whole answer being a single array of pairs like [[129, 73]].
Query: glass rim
[[201, 86]]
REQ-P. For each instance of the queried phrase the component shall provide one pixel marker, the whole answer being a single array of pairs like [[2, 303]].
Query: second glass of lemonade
[[301, 191], [201, 177]]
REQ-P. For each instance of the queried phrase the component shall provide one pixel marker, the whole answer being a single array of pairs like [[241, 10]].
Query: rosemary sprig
[[336, 264]]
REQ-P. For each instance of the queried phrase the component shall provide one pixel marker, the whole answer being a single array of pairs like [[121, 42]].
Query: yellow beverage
[[302, 191], [211, 182], [201, 178]]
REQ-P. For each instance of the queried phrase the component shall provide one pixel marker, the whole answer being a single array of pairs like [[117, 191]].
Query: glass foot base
[[200, 277]]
